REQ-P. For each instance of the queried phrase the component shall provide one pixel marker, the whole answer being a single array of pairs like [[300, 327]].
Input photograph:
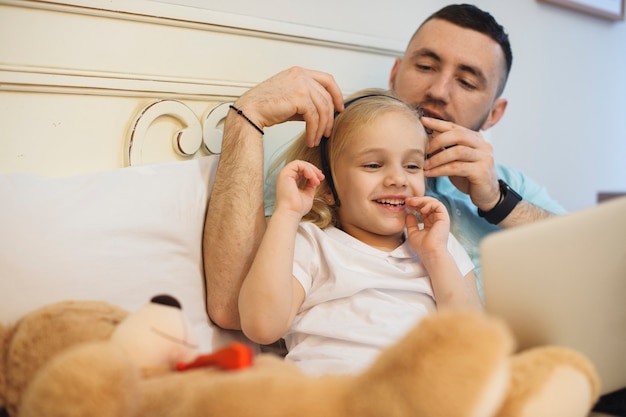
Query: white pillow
[[121, 236]]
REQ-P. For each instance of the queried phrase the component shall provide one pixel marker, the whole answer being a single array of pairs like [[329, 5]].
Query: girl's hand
[[295, 187], [433, 237]]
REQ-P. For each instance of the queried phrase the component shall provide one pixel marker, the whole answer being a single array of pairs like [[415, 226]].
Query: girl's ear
[[328, 196]]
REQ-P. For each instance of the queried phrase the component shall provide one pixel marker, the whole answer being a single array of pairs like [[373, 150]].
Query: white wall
[[566, 122], [565, 126]]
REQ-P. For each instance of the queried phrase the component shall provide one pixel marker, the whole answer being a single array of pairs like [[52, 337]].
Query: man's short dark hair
[[471, 17]]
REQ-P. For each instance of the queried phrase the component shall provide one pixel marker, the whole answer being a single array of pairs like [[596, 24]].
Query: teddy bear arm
[[273, 387]]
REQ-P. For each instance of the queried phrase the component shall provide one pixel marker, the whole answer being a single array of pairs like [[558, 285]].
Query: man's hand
[[295, 94], [466, 157]]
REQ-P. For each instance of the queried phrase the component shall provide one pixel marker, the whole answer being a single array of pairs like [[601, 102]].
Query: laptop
[[562, 281]]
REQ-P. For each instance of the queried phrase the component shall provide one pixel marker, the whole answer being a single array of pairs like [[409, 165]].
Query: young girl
[[345, 268]]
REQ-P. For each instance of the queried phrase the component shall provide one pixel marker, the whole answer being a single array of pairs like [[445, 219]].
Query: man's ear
[[394, 72], [497, 111]]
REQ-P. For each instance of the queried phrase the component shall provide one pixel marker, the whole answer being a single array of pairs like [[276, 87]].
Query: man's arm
[[235, 220], [523, 213]]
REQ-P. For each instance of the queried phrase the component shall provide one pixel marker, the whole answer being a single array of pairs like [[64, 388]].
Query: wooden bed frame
[[81, 80]]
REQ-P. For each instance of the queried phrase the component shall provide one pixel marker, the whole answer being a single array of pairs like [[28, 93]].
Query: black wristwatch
[[508, 200]]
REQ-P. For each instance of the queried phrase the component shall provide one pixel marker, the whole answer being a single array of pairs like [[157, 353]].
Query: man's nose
[[439, 88]]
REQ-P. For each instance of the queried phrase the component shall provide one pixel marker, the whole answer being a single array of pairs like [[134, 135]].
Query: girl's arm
[[452, 290], [270, 296]]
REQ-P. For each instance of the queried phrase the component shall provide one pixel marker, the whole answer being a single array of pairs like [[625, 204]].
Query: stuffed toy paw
[[45, 333], [452, 364], [551, 381]]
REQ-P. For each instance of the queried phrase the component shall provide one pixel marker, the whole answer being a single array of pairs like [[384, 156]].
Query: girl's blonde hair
[[361, 108]]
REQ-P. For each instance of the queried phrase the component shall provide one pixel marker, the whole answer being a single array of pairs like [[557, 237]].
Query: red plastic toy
[[233, 357]]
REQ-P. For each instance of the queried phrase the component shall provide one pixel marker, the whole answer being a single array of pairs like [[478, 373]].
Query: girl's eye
[[372, 165], [413, 167]]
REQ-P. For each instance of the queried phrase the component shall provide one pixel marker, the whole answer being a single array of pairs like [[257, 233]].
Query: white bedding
[[121, 235]]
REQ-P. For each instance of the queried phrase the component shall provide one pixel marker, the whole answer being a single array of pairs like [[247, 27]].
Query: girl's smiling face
[[380, 165]]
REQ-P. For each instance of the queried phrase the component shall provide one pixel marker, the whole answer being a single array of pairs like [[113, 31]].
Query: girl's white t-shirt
[[359, 299]]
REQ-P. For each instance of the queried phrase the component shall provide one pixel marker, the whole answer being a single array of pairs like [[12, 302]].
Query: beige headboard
[[82, 81]]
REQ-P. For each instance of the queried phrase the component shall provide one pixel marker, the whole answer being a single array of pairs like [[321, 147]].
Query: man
[[455, 67]]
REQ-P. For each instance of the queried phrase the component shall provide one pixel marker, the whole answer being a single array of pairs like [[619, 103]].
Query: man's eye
[[468, 85]]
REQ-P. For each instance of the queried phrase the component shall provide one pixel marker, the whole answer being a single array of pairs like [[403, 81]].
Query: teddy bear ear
[[166, 300]]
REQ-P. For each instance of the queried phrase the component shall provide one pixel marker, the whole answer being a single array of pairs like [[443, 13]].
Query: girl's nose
[[395, 176]]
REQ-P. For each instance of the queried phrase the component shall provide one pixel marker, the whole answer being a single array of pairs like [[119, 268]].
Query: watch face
[[508, 200], [509, 189]]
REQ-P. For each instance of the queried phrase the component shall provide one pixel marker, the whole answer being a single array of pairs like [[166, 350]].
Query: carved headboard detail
[[192, 138]]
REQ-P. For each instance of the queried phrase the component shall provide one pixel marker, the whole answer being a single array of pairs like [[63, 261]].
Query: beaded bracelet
[[239, 112]]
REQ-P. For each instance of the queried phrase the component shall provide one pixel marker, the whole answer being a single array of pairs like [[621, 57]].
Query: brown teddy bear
[[91, 358]]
